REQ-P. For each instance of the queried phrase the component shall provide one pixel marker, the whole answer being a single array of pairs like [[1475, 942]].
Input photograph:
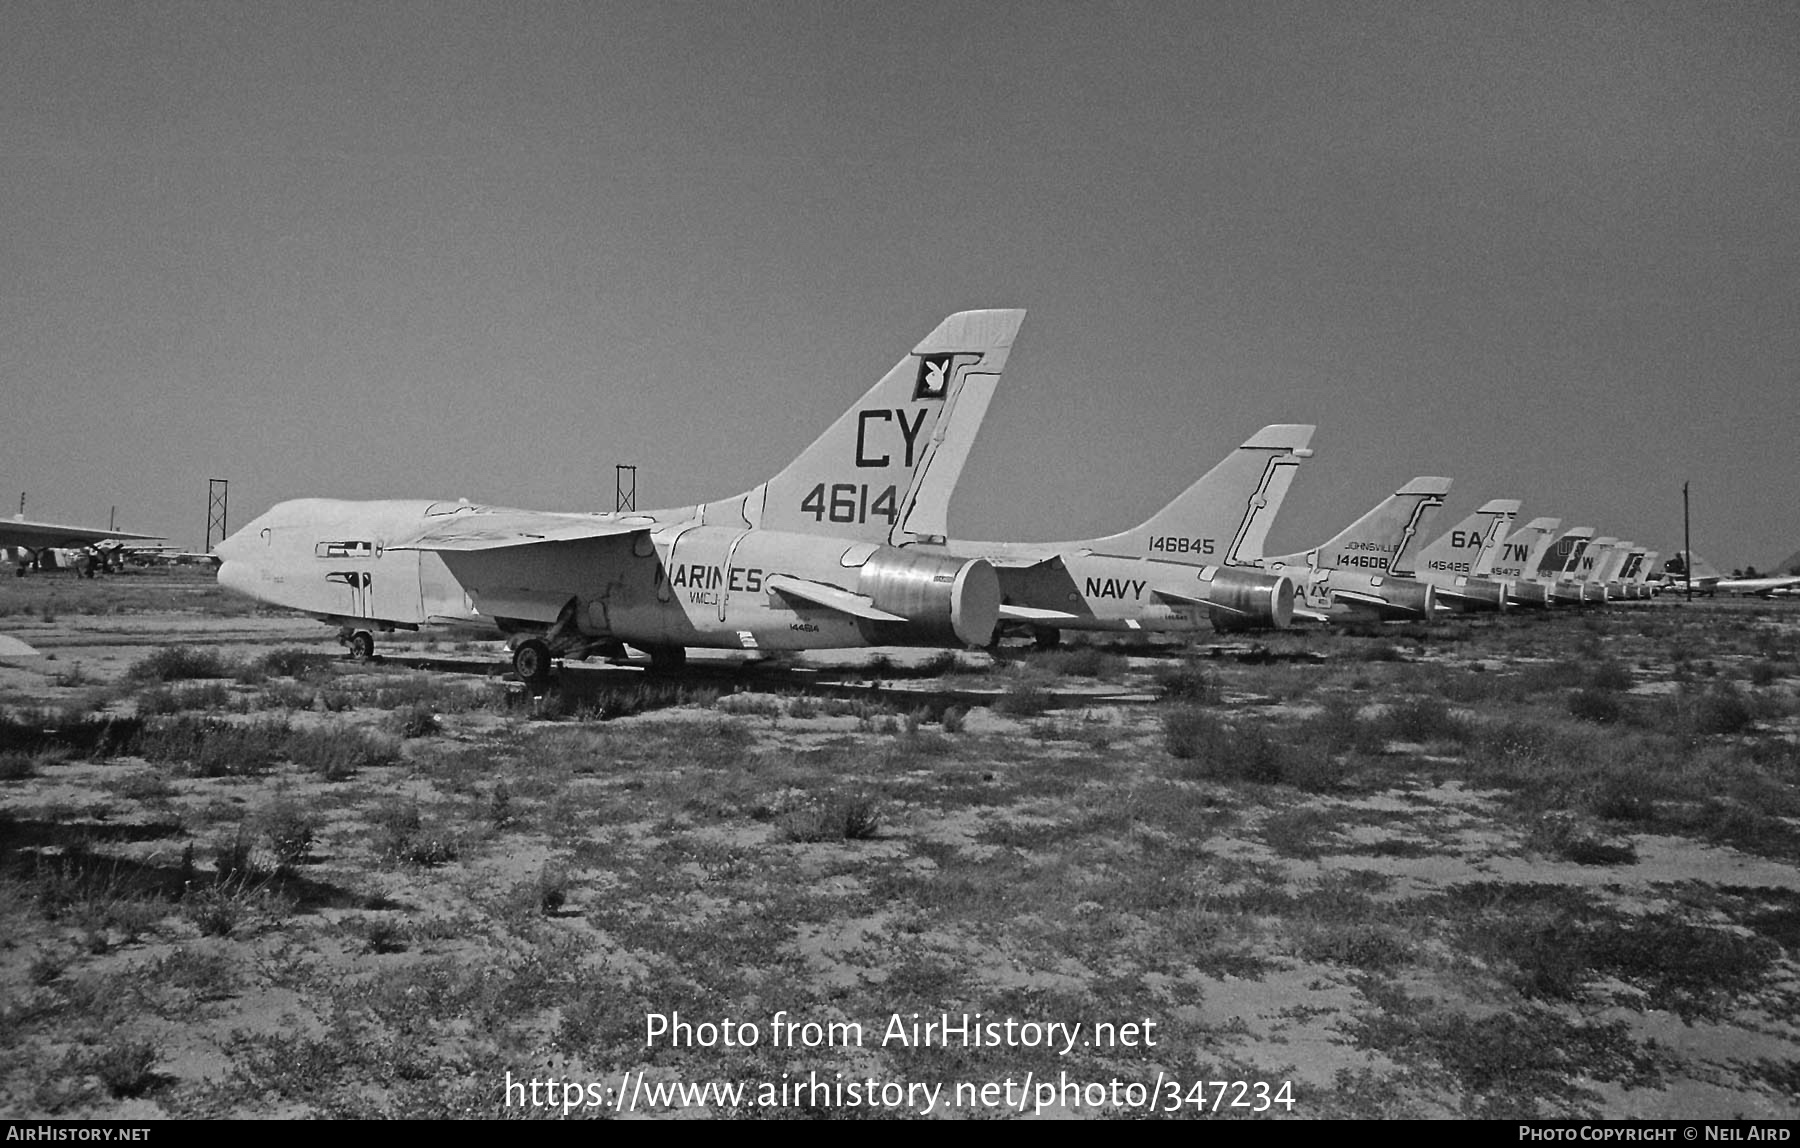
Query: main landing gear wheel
[[1047, 637], [531, 662], [667, 659], [362, 645]]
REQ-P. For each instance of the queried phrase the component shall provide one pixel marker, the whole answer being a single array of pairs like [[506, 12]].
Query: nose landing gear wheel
[[531, 662], [362, 645]]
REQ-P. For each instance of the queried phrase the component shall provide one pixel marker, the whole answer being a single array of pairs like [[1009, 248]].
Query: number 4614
[[849, 502]]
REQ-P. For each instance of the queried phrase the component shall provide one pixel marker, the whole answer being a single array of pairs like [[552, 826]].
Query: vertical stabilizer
[[1384, 540], [866, 476], [1223, 517], [1465, 547], [1561, 556], [1522, 550], [1593, 558]]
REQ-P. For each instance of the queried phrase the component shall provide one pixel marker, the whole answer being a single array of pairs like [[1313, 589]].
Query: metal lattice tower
[[215, 511], [625, 496]]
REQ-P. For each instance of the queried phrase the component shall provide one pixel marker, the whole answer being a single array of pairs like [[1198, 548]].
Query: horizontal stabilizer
[[1175, 599], [1034, 614], [1459, 594], [832, 597], [1283, 436], [502, 529], [1425, 486], [1360, 598], [1027, 562]]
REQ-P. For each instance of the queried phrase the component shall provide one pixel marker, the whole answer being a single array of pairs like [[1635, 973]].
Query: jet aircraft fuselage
[[814, 557], [653, 585]]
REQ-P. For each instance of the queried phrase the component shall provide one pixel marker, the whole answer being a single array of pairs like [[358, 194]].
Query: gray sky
[[490, 250]]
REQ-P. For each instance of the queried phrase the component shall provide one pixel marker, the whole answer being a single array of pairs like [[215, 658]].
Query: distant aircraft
[[1180, 568], [117, 554], [813, 558], [1460, 561], [27, 543], [1369, 568], [1707, 580]]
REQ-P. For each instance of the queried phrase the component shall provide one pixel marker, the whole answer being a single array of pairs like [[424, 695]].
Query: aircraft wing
[[502, 530], [832, 597], [1755, 585], [36, 535], [1019, 562], [1459, 595], [1176, 599], [1034, 614], [1360, 598]]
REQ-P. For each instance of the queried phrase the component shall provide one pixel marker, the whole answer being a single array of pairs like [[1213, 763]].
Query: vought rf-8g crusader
[[1368, 570], [1177, 571], [1460, 563], [817, 557]]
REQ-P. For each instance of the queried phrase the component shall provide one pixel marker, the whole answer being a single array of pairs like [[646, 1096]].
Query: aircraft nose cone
[[236, 576], [236, 546]]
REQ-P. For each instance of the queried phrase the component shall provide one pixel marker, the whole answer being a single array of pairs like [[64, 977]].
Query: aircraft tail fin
[[1475, 540], [1702, 568], [1594, 559], [1385, 540], [1225, 516], [1520, 552], [1563, 553], [866, 476]]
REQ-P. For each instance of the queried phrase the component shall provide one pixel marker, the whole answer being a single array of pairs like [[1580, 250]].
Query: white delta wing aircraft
[[1460, 562], [1368, 570], [1184, 566], [811, 559]]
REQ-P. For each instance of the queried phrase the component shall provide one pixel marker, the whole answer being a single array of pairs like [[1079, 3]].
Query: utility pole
[[1687, 543]]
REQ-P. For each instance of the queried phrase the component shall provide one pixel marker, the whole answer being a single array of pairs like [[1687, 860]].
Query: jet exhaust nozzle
[[1568, 594], [1482, 596], [1408, 599], [1528, 595], [952, 601], [1249, 600]]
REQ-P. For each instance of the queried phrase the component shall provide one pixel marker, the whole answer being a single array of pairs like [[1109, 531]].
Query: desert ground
[[1531, 865]]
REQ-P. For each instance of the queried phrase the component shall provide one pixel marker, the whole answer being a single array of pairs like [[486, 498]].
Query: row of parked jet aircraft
[[848, 546]]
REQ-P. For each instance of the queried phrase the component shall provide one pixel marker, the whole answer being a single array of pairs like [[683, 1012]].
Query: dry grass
[[1439, 873]]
